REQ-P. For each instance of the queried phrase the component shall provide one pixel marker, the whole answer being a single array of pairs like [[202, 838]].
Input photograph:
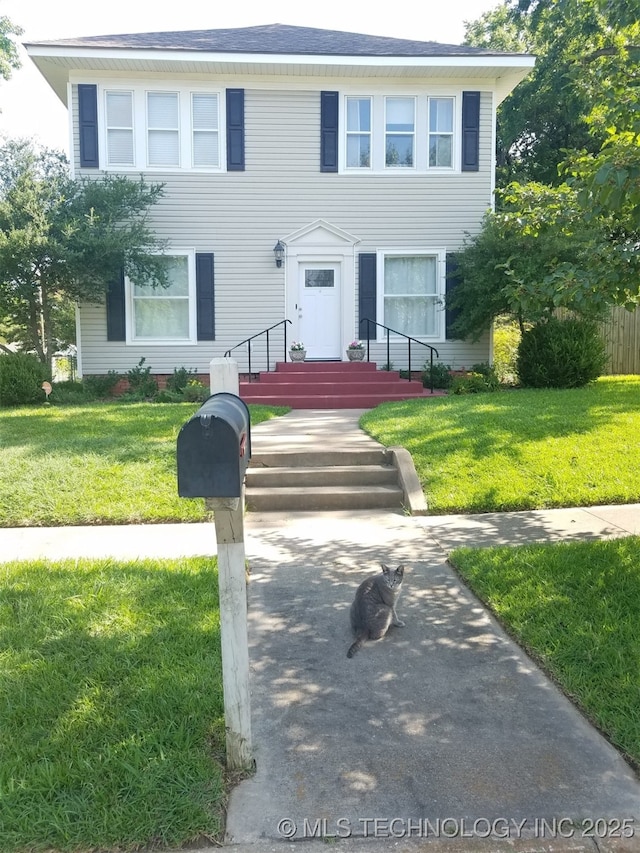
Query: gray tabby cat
[[374, 607]]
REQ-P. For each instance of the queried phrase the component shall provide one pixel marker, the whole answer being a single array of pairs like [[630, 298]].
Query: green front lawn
[[521, 449], [111, 712], [574, 607], [96, 464]]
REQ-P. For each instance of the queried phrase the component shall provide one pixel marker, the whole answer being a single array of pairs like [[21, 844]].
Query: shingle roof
[[275, 39]]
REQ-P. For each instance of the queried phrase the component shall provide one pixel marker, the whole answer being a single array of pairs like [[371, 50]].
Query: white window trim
[[140, 129], [441, 261], [131, 338], [421, 133]]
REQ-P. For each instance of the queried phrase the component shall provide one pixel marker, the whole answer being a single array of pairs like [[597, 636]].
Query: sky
[[29, 108]]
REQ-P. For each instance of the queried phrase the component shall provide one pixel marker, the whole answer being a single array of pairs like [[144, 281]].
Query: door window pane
[[319, 278]]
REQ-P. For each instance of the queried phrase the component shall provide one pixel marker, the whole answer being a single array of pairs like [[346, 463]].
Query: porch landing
[[330, 385]]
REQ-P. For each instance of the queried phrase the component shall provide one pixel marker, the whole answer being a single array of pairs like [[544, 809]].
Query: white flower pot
[[297, 354], [355, 354]]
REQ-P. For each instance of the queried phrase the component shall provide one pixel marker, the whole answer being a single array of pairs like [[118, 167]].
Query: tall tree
[[9, 59], [539, 252], [583, 48], [64, 240]]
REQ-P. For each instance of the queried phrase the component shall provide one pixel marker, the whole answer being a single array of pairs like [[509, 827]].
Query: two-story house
[[365, 159]]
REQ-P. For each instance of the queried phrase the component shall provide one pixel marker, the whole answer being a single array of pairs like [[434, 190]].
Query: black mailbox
[[214, 448]]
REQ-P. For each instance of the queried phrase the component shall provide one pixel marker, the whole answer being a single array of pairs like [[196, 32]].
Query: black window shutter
[[328, 131], [235, 130], [470, 131], [116, 327], [453, 279], [88, 124], [205, 306], [367, 294]]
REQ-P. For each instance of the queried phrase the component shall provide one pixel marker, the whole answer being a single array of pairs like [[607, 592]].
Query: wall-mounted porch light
[[278, 251]]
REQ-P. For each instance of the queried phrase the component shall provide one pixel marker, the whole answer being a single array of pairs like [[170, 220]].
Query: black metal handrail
[[408, 338], [258, 335]]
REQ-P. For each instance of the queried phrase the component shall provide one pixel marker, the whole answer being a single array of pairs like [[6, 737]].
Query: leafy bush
[[506, 337], [481, 378], [180, 378], [489, 374], [440, 375], [21, 378], [142, 385], [67, 392], [195, 392], [566, 353], [99, 387]]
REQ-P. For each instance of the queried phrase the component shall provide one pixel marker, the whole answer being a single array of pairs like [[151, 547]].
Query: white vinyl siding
[[119, 128], [163, 129]]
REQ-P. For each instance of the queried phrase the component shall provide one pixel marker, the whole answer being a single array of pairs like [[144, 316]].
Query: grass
[[521, 449], [96, 464], [111, 716], [574, 607]]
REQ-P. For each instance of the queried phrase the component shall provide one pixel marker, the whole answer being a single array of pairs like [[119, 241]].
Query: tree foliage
[[538, 253], [571, 238], [64, 240], [585, 50], [9, 59]]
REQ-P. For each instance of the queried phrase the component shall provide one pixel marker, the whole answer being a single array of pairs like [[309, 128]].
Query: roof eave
[[56, 62]]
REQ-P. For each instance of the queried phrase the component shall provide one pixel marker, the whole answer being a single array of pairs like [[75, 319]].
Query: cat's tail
[[356, 646]]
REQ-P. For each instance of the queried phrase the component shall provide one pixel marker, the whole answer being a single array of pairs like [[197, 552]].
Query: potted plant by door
[[297, 352], [355, 351]]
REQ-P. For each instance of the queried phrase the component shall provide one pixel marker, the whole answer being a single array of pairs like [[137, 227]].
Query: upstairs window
[[163, 129], [441, 133], [400, 126], [358, 133], [145, 127], [412, 134], [205, 129], [119, 121]]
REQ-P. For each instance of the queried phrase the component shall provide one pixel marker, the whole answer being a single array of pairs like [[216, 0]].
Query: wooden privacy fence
[[621, 332]]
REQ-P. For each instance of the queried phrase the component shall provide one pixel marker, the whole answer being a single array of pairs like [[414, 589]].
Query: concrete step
[[321, 498], [296, 480], [318, 458], [337, 476]]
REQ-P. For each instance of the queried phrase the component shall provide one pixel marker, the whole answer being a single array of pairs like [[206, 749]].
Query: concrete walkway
[[444, 730]]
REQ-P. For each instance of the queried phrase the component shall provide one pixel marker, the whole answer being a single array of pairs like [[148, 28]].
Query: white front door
[[319, 314]]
